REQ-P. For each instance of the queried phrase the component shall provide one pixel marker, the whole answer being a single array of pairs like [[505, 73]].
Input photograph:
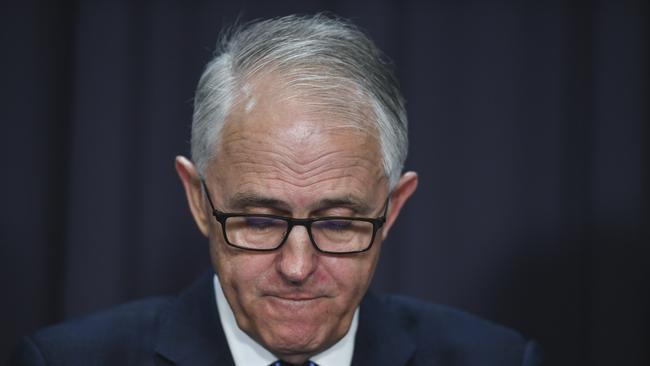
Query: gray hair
[[323, 57]]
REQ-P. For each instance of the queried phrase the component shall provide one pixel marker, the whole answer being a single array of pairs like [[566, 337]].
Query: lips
[[294, 301], [294, 297]]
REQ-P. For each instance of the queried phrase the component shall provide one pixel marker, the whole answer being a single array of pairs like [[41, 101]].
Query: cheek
[[239, 271], [351, 274]]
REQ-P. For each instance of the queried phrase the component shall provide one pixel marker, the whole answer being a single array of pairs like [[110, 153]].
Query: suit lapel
[[190, 331], [381, 338]]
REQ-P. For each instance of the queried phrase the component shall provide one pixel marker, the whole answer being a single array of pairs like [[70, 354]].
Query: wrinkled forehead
[[334, 101], [299, 121], [277, 133], [300, 108]]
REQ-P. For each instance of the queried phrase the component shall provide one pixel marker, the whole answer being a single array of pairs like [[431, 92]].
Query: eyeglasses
[[329, 234]]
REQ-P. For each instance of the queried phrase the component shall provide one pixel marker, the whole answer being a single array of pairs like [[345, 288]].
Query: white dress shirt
[[247, 352]]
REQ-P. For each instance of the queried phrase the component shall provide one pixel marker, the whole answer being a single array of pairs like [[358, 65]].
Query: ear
[[193, 191], [404, 189]]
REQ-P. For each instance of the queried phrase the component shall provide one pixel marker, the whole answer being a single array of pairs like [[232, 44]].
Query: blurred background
[[528, 123]]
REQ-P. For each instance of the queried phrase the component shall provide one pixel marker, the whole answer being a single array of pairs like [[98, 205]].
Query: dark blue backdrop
[[528, 123]]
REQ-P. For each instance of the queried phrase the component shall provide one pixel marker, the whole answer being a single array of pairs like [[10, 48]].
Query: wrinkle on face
[[295, 164]]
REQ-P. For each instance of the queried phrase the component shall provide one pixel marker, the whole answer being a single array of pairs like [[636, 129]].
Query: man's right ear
[[193, 191]]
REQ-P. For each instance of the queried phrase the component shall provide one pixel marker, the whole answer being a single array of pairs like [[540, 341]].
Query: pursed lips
[[294, 298]]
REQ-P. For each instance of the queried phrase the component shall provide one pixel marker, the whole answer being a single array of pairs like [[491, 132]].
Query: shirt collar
[[246, 351]]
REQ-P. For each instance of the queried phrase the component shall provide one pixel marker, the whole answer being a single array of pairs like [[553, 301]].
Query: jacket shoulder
[[125, 332], [456, 337]]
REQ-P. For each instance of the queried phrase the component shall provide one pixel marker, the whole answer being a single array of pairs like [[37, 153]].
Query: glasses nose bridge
[[306, 223], [300, 222]]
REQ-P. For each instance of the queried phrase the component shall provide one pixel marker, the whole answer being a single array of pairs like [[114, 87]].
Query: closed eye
[[333, 225], [261, 223]]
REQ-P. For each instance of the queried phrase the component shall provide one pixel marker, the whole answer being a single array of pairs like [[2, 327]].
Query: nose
[[297, 259]]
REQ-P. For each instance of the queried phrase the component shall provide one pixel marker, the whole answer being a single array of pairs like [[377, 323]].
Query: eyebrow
[[348, 201], [244, 200]]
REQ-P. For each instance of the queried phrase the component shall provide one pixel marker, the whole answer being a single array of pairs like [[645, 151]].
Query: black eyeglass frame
[[221, 217]]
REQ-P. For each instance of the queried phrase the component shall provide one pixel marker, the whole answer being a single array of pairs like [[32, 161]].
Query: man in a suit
[[298, 141]]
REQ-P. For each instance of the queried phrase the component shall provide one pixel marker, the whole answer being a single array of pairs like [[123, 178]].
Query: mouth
[[294, 299], [295, 309]]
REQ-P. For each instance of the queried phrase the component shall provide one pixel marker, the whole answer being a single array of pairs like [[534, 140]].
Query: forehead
[[282, 145]]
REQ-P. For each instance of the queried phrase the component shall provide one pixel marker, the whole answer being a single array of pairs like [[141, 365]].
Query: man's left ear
[[404, 189]]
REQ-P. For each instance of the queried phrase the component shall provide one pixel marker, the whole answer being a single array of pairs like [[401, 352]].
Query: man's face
[[278, 157]]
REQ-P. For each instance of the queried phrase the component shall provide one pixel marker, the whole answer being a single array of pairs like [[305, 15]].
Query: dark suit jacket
[[186, 331]]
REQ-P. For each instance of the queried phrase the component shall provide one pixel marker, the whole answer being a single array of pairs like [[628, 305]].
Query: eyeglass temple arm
[[207, 194]]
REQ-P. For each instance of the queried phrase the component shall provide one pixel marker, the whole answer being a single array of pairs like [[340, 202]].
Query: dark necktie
[[283, 363]]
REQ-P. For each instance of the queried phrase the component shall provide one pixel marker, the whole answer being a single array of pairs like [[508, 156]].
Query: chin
[[288, 328], [292, 337]]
